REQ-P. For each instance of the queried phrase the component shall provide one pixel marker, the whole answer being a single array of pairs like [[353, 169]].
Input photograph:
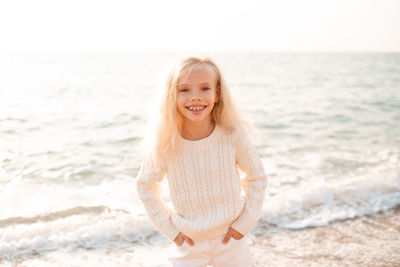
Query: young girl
[[199, 144]]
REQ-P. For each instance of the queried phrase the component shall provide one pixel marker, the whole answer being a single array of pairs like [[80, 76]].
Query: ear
[[217, 95]]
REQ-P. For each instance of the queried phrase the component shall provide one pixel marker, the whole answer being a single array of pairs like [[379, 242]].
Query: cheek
[[211, 98], [180, 102]]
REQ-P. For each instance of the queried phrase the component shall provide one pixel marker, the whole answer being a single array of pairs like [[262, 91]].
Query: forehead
[[196, 74]]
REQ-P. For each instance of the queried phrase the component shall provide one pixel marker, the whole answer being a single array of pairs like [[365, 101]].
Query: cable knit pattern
[[205, 187]]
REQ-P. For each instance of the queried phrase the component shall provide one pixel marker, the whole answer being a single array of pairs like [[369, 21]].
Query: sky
[[207, 25]]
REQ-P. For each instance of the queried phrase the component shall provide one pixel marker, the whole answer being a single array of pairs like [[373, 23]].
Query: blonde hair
[[165, 126]]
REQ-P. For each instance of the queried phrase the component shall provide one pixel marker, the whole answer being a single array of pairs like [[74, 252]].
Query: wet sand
[[366, 241]]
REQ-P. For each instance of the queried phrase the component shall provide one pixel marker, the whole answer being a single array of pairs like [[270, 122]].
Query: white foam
[[319, 203], [72, 229]]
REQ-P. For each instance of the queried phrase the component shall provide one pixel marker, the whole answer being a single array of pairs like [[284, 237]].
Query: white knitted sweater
[[205, 187]]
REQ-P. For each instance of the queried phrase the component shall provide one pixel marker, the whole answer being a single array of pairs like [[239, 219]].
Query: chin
[[197, 120]]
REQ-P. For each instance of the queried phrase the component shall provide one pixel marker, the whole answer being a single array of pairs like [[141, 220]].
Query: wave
[[317, 204], [51, 216], [78, 227]]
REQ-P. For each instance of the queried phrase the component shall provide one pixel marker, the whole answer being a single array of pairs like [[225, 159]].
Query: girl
[[199, 144]]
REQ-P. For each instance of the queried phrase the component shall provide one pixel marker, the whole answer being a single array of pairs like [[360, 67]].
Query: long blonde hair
[[165, 126]]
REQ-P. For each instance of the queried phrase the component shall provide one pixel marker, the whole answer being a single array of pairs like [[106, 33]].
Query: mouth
[[196, 109]]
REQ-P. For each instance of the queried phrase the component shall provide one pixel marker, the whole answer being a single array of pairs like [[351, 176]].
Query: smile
[[196, 109]]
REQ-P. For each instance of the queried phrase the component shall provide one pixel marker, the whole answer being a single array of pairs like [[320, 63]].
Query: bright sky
[[219, 25]]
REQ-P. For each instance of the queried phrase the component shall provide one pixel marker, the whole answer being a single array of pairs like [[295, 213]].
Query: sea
[[327, 131]]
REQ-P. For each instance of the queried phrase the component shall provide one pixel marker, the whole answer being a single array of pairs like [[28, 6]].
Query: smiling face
[[196, 95]]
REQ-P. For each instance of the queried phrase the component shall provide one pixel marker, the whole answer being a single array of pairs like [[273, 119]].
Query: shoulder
[[243, 139], [231, 131], [239, 135], [152, 158], [232, 136]]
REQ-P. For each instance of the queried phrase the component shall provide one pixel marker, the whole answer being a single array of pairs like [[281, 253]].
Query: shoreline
[[372, 240]]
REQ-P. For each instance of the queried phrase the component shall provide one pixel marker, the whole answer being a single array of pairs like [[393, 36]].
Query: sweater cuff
[[170, 231], [243, 225]]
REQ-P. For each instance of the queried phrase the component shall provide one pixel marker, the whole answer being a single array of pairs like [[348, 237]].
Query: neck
[[197, 130]]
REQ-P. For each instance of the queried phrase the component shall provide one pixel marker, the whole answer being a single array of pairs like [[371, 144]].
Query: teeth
[[196, 108]]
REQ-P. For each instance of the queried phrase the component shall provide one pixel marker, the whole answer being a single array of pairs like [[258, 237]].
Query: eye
[[206, 88], [183, 90]]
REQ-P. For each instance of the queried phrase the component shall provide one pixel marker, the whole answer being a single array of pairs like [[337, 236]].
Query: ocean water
[[328, 135]]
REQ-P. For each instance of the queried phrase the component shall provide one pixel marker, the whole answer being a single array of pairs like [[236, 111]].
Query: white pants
[[235, 253]]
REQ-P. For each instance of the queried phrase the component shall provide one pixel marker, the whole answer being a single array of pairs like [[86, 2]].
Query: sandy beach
[[367, 241]]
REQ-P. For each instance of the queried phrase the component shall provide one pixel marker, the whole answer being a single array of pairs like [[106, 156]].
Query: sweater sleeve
[[151, 174], [253, 184]]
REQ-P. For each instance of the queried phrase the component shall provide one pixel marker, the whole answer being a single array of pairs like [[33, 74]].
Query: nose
[[195, 95]]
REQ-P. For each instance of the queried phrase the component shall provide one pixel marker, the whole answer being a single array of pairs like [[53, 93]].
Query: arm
[[151, 174], [253, 184]]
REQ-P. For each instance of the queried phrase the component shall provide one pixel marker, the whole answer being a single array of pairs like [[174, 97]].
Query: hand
[[232, 233], [181, 238]]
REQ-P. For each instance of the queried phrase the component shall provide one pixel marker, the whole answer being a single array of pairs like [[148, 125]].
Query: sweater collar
[[206, 140]]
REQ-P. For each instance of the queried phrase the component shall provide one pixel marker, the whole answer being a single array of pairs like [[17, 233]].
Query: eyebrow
[[189, 84]]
